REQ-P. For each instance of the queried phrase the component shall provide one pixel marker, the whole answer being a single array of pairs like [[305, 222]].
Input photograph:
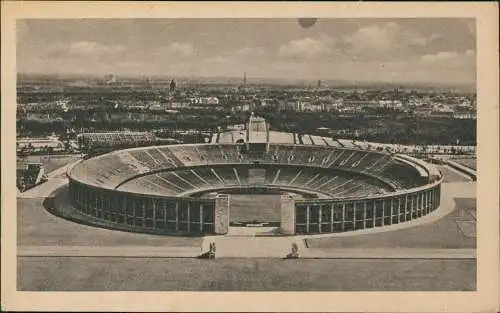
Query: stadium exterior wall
[[193, 216], [143, 213], [330, 216]]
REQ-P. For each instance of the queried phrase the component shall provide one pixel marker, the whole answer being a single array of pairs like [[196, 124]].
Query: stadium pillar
[[201, 217], [406, 207], [133, 211], [331, 217], [364, 215], [177, 216], [308, 212], [422, 204], [221, 214], [383, 212], [287, 215], [343, 216], [153, 203], [392, 210], [188, 217], [429, 201], [319, 218]]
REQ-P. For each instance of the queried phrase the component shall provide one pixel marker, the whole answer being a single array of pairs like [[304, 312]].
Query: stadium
[[294, 184], [261, 197]]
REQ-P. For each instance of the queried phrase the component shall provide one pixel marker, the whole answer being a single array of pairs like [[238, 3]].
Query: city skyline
[[380, 50]]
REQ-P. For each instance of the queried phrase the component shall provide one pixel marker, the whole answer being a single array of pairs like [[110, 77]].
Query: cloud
[[451, 58], [306, 48], [440, 56], [251, 51], [182, 49], [130, 64], [448, 65], [219, 59], [383, 40], [403, 50], [82, 48], [378, 37]]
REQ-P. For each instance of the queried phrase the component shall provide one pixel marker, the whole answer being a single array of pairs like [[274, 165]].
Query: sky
[[384, 50]]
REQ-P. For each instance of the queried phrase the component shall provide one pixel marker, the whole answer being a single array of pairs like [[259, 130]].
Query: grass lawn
[[469, 162], [52, 162], [128, 274], [451, 176]]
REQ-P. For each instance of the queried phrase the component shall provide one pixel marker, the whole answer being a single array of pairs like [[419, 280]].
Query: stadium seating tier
[[179, 169]]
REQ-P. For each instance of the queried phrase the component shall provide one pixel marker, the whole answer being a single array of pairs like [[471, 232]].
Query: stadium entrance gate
[[254, 213]]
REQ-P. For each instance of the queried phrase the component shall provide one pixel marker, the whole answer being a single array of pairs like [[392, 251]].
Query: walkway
[[56, 179], [243, 248], [109, 251], [45, 189]]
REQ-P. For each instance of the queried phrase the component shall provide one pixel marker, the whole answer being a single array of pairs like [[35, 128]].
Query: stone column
[[143, 206], [287, 226], [406, 207], [221, 220], [383, 212], [428, 202], [124, 209], [332, 206], [320, 212], [188, 226], [392, 210], [177, 215], [154, 212], [165, 214], [343, 216], [308, 212], [201, 217], [134, 219], [364, 215]]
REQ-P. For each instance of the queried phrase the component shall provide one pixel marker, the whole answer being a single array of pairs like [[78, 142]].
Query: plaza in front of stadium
[[269, 210]]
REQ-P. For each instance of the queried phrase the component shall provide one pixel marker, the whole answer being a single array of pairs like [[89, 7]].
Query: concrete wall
[[221, 218], [142, 213], [287, 226]]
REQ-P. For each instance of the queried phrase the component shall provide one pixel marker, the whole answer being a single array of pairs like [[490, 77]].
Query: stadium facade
[[187, 189]]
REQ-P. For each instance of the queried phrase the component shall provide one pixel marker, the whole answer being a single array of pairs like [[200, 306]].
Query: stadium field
[[133, 274], [259, 208]]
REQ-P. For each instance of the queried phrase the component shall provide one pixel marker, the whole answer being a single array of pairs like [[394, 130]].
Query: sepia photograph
[[332, 154]]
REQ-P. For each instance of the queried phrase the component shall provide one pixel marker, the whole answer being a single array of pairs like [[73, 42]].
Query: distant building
[[465, 116], [442, 114], [109, 79], [205, 100], [39, 144], [29, 174], [146, 84], [422, 112], [173, 85]]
